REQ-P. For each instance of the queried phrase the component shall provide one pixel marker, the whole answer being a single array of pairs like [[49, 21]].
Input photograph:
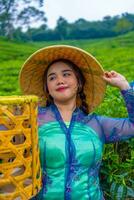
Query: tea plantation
[[117, 171]]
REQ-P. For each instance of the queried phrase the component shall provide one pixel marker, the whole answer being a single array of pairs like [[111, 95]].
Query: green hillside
[[113, 53], [117, 172]]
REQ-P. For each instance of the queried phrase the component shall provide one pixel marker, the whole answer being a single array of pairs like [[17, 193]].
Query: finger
[[110, 74], [114, 73], [107, 74], [107, 79]]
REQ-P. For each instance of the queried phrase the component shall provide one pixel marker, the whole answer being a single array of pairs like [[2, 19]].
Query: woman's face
[[62, 83]]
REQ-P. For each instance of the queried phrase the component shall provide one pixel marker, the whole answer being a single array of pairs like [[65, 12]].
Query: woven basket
[[20, 174]]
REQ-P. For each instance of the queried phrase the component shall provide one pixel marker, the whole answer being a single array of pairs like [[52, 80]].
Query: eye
[[52, 78], [66, 74]]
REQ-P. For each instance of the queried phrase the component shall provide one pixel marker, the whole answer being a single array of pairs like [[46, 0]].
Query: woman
[[71, 137]]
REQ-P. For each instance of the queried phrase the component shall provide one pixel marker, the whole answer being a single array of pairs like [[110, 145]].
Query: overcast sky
[[87, 9]]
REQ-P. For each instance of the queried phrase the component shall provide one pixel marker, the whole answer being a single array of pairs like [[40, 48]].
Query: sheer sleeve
[[41, 112], [116, 129]]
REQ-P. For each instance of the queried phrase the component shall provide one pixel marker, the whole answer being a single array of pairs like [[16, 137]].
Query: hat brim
[[31, 74]]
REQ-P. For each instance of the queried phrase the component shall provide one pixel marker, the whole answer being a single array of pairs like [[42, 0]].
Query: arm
[[115, 129]]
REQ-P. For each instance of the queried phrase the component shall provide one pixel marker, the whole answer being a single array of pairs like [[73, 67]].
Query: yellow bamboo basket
[[20, 174]]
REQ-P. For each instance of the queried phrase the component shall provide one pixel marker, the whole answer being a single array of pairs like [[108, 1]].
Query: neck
[[68, 107]]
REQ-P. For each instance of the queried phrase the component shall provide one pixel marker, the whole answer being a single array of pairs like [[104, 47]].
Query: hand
[[115, 79]]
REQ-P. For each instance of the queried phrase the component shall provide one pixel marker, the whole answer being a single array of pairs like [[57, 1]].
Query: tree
[[123, 26], [14, 13], [61, 27]]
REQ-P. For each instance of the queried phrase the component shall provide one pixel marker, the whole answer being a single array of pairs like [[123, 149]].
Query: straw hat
[[31, 75]]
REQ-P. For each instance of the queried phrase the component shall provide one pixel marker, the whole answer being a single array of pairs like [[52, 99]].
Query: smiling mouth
[[61, 89]]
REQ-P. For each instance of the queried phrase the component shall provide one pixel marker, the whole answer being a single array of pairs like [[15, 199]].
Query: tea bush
[[117, 171]]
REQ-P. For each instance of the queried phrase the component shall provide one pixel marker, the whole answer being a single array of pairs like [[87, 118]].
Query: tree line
[[16, 18]]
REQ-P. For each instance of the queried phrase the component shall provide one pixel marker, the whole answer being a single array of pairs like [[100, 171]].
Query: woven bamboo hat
[[32, 72]]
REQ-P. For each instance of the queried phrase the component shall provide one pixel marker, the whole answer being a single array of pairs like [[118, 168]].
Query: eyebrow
[[65, 70]]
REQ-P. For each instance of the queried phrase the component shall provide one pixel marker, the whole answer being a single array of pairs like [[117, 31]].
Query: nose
[[60, 80]]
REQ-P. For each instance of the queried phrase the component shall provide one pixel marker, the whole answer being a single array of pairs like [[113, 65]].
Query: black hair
[[81, 82]]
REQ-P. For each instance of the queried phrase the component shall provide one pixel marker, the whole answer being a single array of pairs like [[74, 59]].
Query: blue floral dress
[[71, 153]]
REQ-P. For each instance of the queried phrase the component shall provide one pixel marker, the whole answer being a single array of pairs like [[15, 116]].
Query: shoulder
[[45, 115], [42, 110], [86, 118], [91, 116]]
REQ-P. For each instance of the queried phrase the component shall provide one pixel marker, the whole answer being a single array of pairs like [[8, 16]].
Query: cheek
[[74, 84], [76, 88]]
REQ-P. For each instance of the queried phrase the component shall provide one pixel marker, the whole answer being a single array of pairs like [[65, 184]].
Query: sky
[[93, 10]]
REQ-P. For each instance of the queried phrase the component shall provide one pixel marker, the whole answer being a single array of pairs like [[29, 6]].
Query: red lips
[[61, 89]]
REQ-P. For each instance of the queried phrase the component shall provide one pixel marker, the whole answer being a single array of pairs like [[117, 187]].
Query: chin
[[64, 99]]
